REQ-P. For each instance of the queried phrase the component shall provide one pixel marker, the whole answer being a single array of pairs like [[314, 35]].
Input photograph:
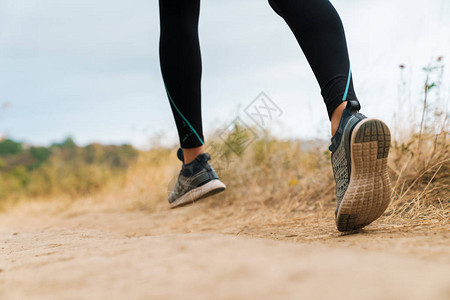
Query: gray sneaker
[[197, 180], [360, 148]]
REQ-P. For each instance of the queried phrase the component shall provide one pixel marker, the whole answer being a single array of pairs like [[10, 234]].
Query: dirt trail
[[93, 251]]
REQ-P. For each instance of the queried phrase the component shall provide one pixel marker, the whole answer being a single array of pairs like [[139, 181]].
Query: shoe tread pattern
[[369, 190]]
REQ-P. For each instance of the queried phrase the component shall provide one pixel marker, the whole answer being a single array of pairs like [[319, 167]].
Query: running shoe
[[359, 152], [197, 180]]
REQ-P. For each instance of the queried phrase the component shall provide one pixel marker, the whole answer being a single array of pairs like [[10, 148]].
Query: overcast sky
[[90, 69]]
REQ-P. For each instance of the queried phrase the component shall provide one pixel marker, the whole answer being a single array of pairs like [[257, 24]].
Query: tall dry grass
[[290, 180]]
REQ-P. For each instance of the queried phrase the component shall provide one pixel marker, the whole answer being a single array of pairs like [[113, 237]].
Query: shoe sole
[[210, 188], [369, 190]]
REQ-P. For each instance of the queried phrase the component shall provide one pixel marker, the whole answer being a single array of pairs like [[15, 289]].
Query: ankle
[[336, 117], [190, 154]]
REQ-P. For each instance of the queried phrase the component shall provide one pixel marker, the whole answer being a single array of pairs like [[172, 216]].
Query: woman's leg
[[181, 69], [319, 31], [360, 145]]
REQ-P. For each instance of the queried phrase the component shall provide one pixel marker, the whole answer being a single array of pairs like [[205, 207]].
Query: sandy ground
[[94, 251]]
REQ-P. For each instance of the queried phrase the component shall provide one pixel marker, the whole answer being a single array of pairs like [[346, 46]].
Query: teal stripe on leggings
[[178, 111], [348, 84]]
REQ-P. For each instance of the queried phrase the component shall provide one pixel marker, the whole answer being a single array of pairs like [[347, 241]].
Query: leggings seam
[[344, 98], [184, 118]]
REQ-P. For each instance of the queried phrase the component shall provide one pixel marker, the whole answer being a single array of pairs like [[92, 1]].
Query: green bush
[[61, 168], [9, 147]]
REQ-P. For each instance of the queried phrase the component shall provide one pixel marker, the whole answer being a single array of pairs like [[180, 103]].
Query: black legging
[[315, 24]]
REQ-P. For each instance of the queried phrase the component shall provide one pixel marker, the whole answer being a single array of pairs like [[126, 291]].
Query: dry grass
[[421, 178], [275, 188]]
